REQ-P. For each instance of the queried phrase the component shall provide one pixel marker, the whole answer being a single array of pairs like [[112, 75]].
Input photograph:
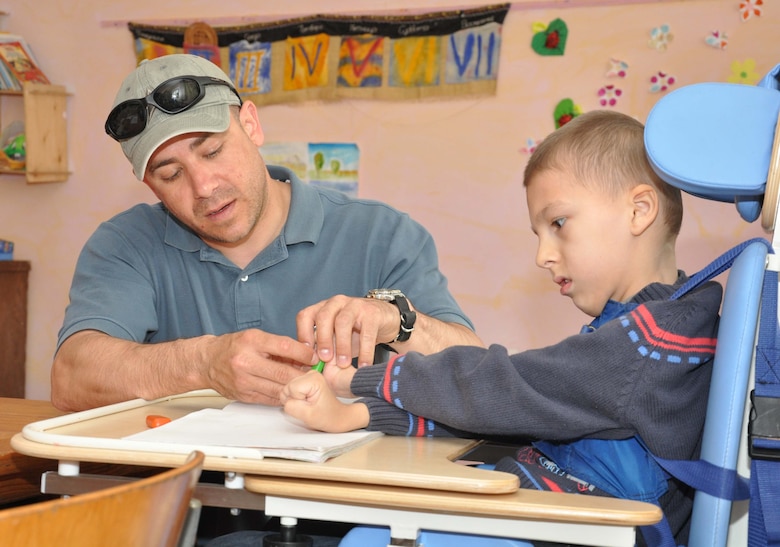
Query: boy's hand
[[340, 380], [310, 399]]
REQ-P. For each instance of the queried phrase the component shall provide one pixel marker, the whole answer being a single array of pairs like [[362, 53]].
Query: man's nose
[[204, 183]]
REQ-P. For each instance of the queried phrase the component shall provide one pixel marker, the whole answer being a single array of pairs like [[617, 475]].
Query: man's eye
[[172, 176], [214, 153]]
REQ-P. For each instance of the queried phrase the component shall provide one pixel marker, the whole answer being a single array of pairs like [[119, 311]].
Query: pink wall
[[455, 165]]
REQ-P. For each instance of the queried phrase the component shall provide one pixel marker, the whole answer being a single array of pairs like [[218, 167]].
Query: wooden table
[[97, 436], [429, 491], [526, 514], [20, 474]]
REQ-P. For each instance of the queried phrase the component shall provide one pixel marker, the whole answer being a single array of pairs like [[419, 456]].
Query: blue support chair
[[379, 536], [723, 428], [723, 431], [730, 154]]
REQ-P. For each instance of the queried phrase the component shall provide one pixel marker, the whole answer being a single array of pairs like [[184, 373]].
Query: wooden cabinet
[[45, 124], [13, 326]]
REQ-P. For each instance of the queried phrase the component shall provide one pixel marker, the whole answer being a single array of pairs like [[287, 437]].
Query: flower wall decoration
[[608, 95], [621, 90], [530, 146], [750, 8], [744, 72], [617, 68], [660, 37], [661, 81], [717, 39]]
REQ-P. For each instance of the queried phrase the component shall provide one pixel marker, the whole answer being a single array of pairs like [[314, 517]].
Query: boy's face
[[584, 239]]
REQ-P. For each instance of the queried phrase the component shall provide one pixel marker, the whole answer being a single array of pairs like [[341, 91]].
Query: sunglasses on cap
[[129, 118]]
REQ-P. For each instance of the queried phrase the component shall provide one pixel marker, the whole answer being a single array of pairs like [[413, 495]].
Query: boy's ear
[[645, 204]]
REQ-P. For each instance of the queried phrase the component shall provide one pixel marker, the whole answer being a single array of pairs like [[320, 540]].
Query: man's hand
[[253, 366], [94, 369], [344, 323], [310, 399]]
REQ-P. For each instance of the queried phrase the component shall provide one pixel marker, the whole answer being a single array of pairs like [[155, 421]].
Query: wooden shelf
[[45, 123]]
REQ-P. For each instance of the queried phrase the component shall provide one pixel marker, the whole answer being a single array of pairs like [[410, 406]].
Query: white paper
[[266, 428]]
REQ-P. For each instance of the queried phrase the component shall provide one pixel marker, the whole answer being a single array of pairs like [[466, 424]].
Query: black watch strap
[[408, 316]]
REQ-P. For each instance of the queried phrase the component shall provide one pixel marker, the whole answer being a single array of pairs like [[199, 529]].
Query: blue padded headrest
[[772, 79], [714, 140]]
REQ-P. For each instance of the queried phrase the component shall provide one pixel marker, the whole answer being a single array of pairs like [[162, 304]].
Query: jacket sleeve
[[640, 373]]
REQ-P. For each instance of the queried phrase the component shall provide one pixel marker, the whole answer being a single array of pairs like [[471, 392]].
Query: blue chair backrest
[[731, 156], [723, 428]]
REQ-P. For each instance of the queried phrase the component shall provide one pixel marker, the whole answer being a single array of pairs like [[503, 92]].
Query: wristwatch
[[408, 317]]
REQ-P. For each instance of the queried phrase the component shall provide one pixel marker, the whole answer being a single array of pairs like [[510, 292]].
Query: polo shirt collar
[[179, 236], [305, 219]]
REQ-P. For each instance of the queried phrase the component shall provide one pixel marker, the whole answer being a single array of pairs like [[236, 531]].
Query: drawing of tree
[[319, 161]]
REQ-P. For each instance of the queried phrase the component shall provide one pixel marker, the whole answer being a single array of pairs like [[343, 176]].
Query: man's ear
[[152, 188], [645, 208], [250, 122]]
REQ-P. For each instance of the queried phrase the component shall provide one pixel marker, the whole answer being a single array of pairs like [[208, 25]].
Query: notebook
[[263, 428]]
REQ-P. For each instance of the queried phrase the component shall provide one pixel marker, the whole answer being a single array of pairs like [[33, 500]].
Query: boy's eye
[[559, 222]]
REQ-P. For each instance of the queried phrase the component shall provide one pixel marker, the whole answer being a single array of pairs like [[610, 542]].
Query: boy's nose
[[545, 255]]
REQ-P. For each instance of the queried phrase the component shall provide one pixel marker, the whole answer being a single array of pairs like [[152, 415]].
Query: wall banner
[[330, 57]]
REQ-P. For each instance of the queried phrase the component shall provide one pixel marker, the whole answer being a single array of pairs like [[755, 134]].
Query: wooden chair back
[[148, 512]]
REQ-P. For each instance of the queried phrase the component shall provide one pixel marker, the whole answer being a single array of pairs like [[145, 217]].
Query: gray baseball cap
[[211, 114]]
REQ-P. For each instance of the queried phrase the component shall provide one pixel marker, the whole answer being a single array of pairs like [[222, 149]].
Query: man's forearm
[[93, 369], [432, 335]]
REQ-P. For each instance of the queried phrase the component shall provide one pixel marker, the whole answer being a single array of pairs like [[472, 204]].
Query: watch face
[[397, 298], [384, 294]]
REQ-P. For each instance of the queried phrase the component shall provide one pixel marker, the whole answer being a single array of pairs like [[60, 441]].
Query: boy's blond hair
[[606, 149]]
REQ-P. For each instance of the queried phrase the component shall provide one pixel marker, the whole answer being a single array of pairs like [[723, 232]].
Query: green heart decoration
[[551, 40], [565, 111]]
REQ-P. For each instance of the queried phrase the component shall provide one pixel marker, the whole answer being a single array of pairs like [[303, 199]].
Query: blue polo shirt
[[145, 277]]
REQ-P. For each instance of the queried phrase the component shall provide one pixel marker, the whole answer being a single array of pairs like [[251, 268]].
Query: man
[[241, 277]]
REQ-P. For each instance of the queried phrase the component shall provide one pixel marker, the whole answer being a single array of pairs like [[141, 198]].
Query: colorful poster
[[331, 165], [329, 57]]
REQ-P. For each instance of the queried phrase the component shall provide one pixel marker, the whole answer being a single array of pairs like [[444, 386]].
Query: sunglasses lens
[[127, 120], [177, 95]]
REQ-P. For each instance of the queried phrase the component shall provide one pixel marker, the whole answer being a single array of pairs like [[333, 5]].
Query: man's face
[[215, 183]]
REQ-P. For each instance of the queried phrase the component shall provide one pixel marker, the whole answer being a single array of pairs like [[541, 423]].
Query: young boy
[[636, 377]]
